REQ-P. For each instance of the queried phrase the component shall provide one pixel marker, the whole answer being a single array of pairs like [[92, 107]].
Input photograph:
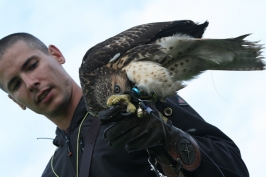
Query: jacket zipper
[[71, 155]]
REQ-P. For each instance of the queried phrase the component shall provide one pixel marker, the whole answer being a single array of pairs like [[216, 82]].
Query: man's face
[[35, 79]]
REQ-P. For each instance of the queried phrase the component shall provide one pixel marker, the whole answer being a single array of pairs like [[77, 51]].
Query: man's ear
[[20, 105], [56, 53]]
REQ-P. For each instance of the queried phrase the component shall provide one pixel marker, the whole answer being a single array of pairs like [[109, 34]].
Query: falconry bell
[[140, 112]]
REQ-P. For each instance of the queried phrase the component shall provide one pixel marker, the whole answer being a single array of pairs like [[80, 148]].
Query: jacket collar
[[77, 117]]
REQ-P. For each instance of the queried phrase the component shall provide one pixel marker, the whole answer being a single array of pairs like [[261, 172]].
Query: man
[[32, 75]]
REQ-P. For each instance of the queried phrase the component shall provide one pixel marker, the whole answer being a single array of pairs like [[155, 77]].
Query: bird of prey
[[156, 58]]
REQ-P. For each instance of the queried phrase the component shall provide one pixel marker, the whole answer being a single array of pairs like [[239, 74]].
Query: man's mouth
[[42, 95]]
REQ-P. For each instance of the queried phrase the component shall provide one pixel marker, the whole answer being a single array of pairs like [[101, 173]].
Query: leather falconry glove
[[167, 143]]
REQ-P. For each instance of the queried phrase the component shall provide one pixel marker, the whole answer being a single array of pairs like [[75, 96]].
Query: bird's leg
[[123, 100]]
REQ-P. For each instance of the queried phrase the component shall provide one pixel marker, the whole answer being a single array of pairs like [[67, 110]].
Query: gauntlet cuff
[[184, 148]]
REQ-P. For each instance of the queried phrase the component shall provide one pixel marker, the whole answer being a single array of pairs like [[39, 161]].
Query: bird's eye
[[116, 89]]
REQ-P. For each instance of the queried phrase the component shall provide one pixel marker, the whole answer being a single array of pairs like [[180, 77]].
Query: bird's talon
[[122, 99], [131, 108]]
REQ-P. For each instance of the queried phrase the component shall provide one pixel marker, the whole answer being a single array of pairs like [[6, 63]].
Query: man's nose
[[31, 82]]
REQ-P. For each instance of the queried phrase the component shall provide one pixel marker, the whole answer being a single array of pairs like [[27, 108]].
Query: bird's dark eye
[[116, 89]]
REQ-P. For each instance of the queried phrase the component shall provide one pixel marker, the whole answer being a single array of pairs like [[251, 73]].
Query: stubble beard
[[63, 106]]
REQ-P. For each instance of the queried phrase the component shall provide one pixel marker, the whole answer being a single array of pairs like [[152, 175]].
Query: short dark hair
[[29, 39]]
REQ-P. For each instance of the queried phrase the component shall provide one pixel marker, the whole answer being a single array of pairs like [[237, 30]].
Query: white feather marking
[[114, 58], [176, 44], [173, 41]]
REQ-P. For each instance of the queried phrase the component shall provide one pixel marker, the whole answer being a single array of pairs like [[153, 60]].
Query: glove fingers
[[136, 139], [143, 142], [134, 133], [121, 127], [126, 138], [112, 115]]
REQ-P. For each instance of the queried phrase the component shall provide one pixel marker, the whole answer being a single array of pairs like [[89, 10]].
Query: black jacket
[[219, 153]]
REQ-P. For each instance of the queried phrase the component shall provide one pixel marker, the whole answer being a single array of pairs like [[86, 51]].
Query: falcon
[[156, 59]]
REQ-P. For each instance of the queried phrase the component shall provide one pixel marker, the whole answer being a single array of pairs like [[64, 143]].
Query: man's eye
[[16, 86], [33, 65]]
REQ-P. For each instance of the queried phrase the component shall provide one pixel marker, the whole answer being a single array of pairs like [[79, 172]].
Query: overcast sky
[[233, 101]]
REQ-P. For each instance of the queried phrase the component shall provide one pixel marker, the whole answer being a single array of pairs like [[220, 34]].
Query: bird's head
[[116, 83], [100, 84]]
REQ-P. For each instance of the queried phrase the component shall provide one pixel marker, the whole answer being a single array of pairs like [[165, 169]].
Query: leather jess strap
[[89, 146]]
